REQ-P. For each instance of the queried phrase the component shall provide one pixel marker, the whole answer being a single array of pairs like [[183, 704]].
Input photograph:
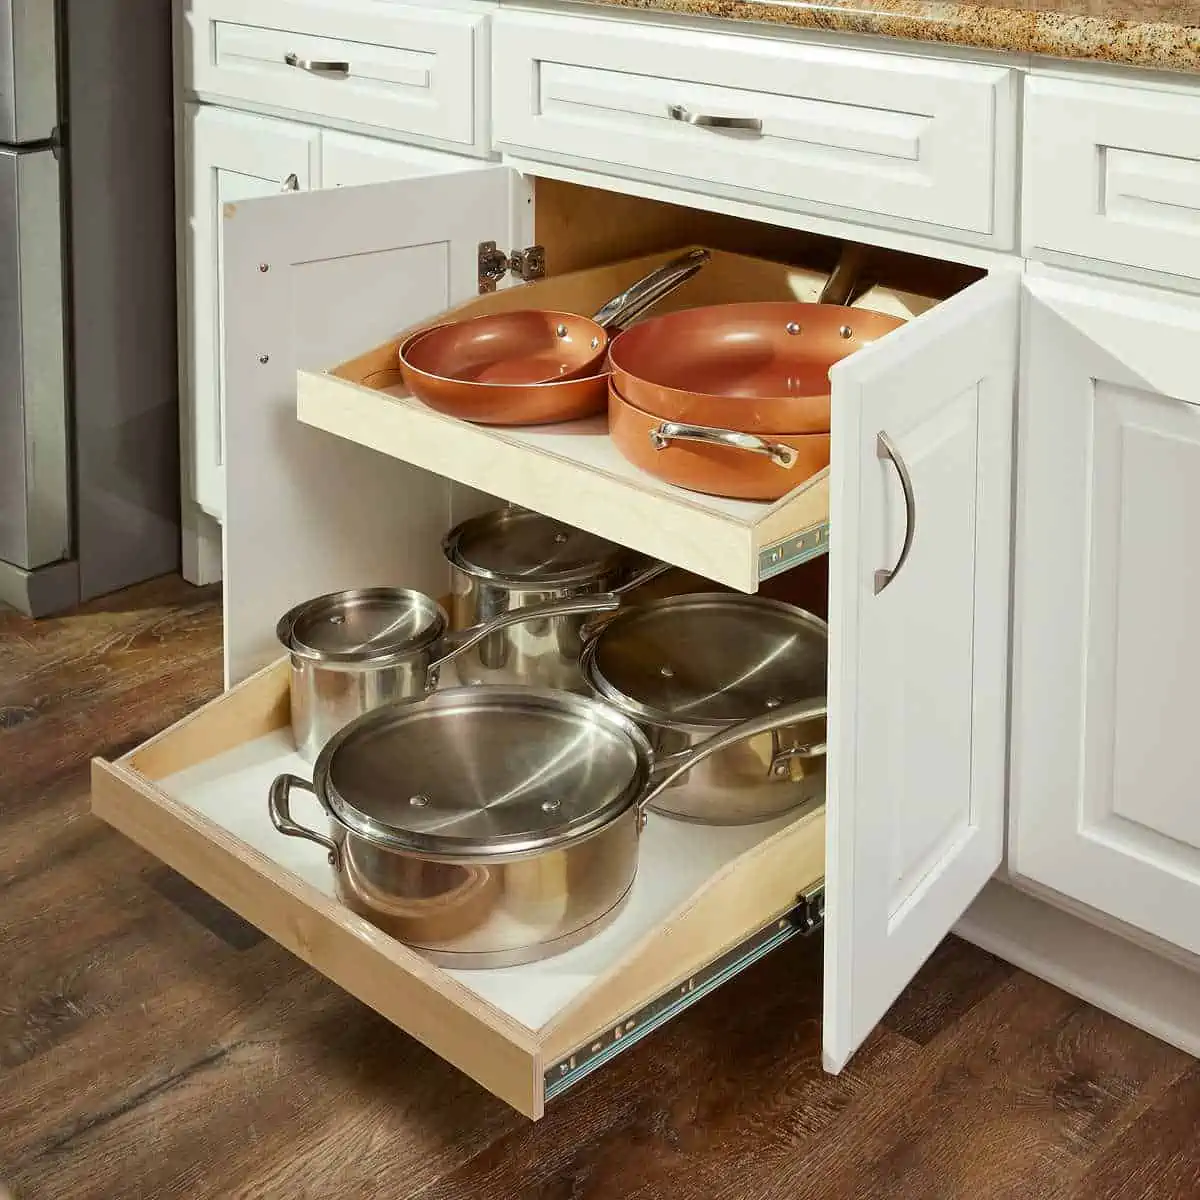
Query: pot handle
[[779, 764], [279, 805], [789, 714], [622, 310], [458, 643], [590, 629], [664, 434]]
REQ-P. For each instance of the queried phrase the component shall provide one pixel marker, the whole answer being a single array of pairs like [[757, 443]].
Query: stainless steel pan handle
[[677, 112], [788, 714], [638, 297], [327, 68], [885, 451], [279, 804], [675, 431], [458, 643]]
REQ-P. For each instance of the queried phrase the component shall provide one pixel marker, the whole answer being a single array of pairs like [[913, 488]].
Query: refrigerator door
[[28, 71], [35, 525]]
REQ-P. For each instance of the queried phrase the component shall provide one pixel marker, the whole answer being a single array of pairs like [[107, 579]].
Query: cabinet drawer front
[[706, 901], [406, 69], [1113, 174], [836, 132]]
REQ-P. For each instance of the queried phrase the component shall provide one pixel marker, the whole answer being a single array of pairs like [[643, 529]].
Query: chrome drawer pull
[[885, 451], [709, 121], [330, 68]]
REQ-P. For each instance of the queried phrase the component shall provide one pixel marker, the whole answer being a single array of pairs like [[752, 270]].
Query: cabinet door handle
[[885, 451], [330, 68], [710, 121]]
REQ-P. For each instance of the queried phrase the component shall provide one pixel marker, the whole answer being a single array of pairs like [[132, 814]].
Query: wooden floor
[[152, 1044]]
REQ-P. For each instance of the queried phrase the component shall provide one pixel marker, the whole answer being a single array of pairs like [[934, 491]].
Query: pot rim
[[499, 849], [645, 714], [594, 573]]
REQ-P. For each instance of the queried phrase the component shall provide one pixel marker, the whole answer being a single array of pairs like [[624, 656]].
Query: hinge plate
[[525, 265]]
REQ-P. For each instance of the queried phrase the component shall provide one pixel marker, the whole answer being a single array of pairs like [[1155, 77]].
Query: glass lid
[[477, 772], [514, 545], [708, 660], [362, 624]]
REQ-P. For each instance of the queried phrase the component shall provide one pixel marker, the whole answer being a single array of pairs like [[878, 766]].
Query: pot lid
[[516, 546], [362, 624], [483, 772], [708, 660]]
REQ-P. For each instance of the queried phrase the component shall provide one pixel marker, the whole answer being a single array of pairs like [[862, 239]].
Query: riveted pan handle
[[279, 805], [885, 451], [779, 453], [624, 309]]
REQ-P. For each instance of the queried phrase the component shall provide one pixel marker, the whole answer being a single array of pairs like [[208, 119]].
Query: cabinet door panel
[[308, 513], [234, 157], [1105, 755], [348, 160], [918, 662]]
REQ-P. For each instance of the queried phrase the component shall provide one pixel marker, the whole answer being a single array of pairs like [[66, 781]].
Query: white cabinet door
[[918, 658], [233, 157], [1106, 754], [348, 160], [307, 513]]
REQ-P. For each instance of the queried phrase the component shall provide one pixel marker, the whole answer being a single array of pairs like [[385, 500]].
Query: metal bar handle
[[330, 68], [677, 112], [638, 297], [885, 451], [279, 806], [779, 453]]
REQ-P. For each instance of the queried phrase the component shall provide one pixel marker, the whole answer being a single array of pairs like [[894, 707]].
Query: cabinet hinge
[[494, 264]]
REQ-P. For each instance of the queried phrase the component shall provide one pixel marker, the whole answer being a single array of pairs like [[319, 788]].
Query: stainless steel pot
[[354, 651], [688, 666], [511, 559], [491, 826]]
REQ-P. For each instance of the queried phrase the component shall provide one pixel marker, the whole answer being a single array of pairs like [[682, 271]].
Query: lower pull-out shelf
[[707, 902]]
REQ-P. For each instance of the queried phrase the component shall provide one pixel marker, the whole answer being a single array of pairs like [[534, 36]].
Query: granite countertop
[[1141, 33]]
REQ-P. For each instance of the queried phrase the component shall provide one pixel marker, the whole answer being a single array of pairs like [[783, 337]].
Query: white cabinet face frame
[[233, 157], [1105, 754], [917, 729]]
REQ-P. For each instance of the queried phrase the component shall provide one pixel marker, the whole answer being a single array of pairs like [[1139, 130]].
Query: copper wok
[[756, 368], [533, 346], [716, 461]]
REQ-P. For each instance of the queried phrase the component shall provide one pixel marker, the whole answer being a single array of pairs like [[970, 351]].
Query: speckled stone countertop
[[1140, 33]]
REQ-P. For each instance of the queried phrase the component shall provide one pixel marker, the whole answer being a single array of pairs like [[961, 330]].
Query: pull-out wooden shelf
[[707, 901], [573, 472]]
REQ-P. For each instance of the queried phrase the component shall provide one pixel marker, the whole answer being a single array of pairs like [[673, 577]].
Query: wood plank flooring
[[154, 1045]]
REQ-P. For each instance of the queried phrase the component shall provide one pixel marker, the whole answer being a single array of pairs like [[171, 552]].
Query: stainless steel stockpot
[[511, 559], [490, 826], [354, 651], [685, 667]]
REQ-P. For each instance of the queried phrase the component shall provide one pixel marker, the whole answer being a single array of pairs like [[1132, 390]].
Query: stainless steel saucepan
[[490, 826], [355, 650]]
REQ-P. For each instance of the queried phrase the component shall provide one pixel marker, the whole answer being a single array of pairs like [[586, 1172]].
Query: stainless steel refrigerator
[[89, 465]]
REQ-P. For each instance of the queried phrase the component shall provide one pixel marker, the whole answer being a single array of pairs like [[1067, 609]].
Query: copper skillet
[[530, 346], [754, 368]]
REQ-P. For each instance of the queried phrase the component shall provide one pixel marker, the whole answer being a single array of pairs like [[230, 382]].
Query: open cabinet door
[[918, 674], [310, 280]]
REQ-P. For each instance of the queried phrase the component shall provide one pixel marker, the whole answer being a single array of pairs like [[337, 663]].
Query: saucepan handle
[[638, 297], [789, 714], [279, 804], [458, 643], [664, 434]]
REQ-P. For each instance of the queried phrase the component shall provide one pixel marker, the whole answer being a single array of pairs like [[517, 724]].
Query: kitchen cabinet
[[360, 491], [1105, 756]]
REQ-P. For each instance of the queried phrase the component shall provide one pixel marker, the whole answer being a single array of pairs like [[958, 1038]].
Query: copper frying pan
[[758, 368], [531, 346], [718, 462]]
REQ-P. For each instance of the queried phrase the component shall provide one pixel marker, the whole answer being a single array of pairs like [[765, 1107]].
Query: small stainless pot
[[686, 667], [511, 559], [491, 826], [354, 651]]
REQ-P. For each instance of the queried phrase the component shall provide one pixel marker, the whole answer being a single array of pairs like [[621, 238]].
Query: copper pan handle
[[674, 431], [885, 451], [622, 310]]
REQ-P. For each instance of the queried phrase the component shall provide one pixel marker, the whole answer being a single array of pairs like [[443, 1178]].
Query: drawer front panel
[[403, 69], [813, 128], [1113, 174]]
